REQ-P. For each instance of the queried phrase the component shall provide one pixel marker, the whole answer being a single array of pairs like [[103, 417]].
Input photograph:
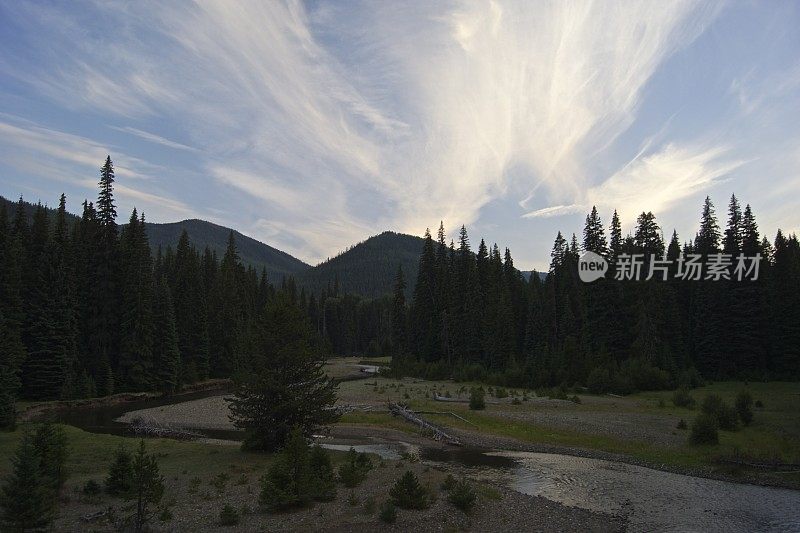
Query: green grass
[[90, 455], [775, 431]]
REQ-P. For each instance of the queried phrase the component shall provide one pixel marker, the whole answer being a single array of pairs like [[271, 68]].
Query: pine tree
[[166, 354], [103, 290], [191, 316], [615, 242], [27, 499], [135, 363], [425, 319], [707, 239], [594, 236], [399, 314], [734, 232], [227, 311], [147, 487], [284, 385]]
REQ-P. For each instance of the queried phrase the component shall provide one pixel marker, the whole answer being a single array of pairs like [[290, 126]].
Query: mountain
[[369, 268], [202, 234], [252, 252]]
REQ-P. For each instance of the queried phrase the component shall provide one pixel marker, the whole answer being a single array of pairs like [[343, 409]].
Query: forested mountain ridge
[[368, 268], [251, 251], [202, 234]]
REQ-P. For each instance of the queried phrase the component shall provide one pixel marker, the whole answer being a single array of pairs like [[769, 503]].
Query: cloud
[[554, 211], [658, 181], [152, 137], [326, 122], [70, 159]]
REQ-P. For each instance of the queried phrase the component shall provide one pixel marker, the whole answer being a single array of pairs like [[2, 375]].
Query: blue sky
[[311, 126]]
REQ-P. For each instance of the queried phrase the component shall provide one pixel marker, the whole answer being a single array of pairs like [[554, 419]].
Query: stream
[[653, 500]]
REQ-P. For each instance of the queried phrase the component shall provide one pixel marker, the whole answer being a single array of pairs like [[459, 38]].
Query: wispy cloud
[[326, 122], [152, 137]]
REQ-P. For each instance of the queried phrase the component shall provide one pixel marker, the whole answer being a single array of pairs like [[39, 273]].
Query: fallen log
[[437, 433], [446, 413]]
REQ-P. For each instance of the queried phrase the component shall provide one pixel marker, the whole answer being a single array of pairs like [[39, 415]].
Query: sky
[[313, 125]]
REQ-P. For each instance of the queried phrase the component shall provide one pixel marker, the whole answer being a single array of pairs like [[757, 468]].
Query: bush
[[724, 414], [462, 496], [147, 487], [682, 398], [759, 404], [323, 482], [228, 516], [682, 424], [744, 407], [408, 493], [288, 483], [50, 443], [355, 468], [120, 473], [388, 513], [477, 400], [27, 499], [500, 393], [704, 430], [92, 488], [449, 483]]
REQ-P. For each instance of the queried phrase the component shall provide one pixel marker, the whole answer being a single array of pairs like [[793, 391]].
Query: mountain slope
[[252, 252], [202, 234], [369, 268]]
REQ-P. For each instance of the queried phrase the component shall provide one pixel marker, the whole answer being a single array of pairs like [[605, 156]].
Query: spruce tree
[[734, 231], [399, 314], [283, 386], [594, 236], [707, 239], [27, 499], [135, 365], [166, 354]]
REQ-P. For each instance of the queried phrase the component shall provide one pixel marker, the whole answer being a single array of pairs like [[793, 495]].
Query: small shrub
[[120, 473], [744, 407], [682, 424], [516, 401], [682, 398], [228, 516], [388, 513], [287, 484], [355, 468], [352, 499], [449, 482], [500, 393], [219, 482], [477, 400], [724, 414], [704, 430], [462, 496], [92, 488], [408, 493], [759, 404], [323, 481], [575, 399]]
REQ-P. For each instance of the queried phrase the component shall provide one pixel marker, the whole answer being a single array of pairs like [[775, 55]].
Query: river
[[652, 499]]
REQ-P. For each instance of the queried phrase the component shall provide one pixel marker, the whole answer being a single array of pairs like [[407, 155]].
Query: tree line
[[86, 309], [474, 316]]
